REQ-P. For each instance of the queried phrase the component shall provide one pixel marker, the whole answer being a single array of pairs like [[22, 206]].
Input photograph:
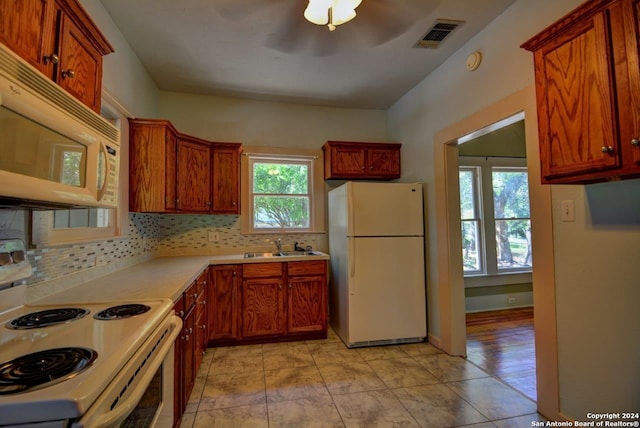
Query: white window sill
[[497, 279]]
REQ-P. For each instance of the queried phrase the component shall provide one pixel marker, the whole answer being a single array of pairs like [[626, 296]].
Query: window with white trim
[[494, 212], [281, 193]]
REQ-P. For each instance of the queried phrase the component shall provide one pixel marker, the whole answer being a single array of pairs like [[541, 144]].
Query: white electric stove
[[94, 364]]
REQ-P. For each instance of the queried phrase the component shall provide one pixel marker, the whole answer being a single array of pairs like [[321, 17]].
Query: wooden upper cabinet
[[59, 39], [588, 93], [80, 67], [194, 175], [353, 160], [152, 143], [28, 28], [198, 176], [225, 177]]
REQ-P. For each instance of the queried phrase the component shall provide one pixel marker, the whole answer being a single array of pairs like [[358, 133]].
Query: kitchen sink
[[281, 254]]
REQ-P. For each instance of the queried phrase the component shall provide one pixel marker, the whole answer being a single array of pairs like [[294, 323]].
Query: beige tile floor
[[322, 383]]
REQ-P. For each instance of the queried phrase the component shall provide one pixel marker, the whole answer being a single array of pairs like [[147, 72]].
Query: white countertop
[[162, 277]]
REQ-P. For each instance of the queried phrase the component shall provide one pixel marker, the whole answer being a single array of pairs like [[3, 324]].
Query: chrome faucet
[[278, 243]]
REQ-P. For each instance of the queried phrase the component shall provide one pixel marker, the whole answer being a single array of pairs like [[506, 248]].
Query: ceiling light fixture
[[331, 12]]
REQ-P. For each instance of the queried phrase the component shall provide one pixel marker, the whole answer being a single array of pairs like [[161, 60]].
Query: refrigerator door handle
[[351, 228], [352, 259]]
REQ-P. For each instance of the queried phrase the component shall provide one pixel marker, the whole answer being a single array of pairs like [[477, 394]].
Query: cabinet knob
[[635, 142], [289, 286], [607, 149], [186, 337], [68, 73], [234, 273], [181, 314], [53, 59]]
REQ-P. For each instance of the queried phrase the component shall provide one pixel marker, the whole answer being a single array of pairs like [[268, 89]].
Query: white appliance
[[55, 150], [86, 364], [376, 241]]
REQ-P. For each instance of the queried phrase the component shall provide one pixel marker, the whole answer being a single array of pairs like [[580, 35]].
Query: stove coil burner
[[44, 368], [47, 318], [121, 311]]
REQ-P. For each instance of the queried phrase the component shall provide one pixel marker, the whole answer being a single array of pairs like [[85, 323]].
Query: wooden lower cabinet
[[191, 343], [263, 298], [264, 302], [307, 297], [224, 297]]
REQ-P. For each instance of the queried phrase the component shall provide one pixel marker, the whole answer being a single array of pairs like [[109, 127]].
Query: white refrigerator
[[376, 242]]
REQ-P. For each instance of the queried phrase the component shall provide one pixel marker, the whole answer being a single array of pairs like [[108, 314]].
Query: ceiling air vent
[[439, 31]]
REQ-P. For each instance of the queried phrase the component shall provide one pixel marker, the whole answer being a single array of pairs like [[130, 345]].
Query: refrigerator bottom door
[[386, 290]]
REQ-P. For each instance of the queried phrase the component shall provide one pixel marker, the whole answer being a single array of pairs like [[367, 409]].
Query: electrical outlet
[[511, 300], [214, 236]]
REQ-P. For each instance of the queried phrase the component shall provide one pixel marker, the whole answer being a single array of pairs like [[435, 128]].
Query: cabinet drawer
[[190, 296], [262, 270], [315, 267]]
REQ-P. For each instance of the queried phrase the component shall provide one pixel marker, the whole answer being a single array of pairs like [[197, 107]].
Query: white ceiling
[[265, 49]]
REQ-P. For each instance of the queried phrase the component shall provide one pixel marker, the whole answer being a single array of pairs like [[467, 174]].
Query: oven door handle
[[125, 407]]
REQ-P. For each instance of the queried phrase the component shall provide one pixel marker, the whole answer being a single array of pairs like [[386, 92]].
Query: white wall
[[123, 75], [261, 123], [596, 275]]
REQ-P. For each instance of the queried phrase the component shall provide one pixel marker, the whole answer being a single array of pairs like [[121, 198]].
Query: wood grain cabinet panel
[[194, 176], [28, 28], [588, 93], [59, 39], [307, 297], [225, 178], [262, 307], [354, 160], [152, 143], [224, 302]]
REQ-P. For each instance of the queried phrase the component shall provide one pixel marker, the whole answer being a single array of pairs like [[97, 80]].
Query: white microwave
[[54, 151]]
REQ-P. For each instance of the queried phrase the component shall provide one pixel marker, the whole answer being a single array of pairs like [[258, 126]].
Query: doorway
[[448, 272], [496, 252]]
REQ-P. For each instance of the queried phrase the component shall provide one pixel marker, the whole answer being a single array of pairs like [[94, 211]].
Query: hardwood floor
[[502, 343]]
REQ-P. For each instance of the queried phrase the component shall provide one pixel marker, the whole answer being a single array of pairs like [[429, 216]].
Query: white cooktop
[[115, 341]]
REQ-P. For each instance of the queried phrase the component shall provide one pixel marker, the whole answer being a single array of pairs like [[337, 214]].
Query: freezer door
[[384, 209], [386, 289]]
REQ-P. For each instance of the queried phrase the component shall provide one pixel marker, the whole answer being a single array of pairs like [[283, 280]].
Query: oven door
[[141, 394]]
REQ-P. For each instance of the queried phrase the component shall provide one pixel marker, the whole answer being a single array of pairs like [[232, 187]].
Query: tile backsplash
[[63, 266], [189, 235]]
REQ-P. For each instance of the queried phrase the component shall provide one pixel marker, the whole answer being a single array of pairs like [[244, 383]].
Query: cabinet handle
[[190, 330], [607, 149], [181, 314], [233, 203], [195, 295], [635, 142], [186, 338], [68, 73], [371, 167], [289, 286], [53, 59], [234, 273]]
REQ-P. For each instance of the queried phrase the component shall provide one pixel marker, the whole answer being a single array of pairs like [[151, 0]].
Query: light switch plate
[[567, 209]]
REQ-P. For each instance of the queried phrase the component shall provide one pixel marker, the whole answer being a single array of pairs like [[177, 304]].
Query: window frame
[[489, 274], [315, 190]]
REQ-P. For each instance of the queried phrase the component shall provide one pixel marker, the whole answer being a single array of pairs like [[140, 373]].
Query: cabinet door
[[194, 176], [347, 160], [262, 307], [226, 181], [307, 304], [383, 162], [80, 67], [170, 180], [632, 16], [27, 27], [224, 302], [188, 356], [576, 101], [147, 182]]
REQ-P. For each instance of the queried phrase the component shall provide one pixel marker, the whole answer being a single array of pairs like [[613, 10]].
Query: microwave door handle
[[107, 168]]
